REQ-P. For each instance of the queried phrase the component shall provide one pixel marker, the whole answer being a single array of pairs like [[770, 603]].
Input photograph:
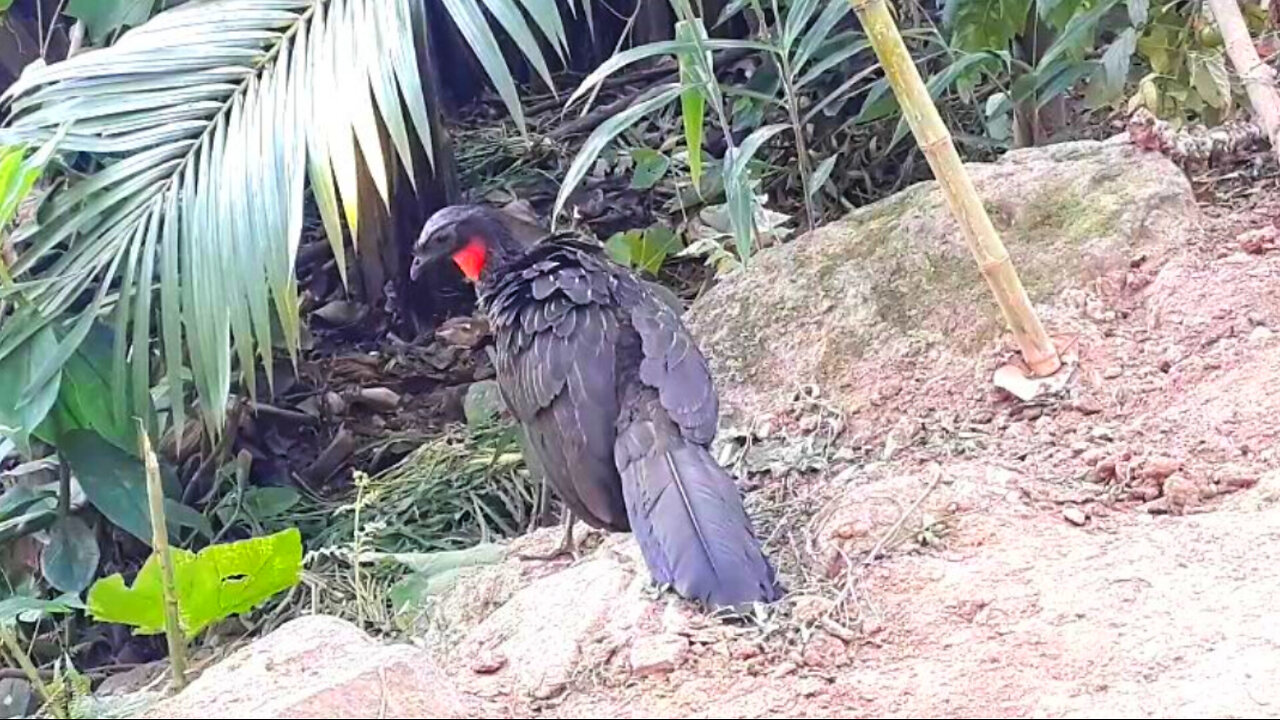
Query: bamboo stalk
[[1258, 77], [935, 141], [160, 546]]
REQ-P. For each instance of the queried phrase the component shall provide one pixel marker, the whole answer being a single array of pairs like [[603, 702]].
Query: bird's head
[[472, 236]]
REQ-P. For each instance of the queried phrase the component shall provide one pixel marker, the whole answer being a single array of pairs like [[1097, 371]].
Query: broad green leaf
[[605, 133], [1210, 78], [70, 560], [115, 483], [1108, 81], [5, 5], [18, 370], [103, 17], [212, 585], [644, 249], [650, 168], [977, 25], [85, 394]]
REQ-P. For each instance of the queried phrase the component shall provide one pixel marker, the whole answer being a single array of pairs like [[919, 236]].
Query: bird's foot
[[566, 547]]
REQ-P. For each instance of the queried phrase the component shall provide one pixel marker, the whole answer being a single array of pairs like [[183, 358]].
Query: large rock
[[894, 281], [317, 667]]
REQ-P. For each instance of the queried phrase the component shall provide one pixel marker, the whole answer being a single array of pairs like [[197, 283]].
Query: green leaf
[[212, 585], [1108, 81], [821, 173], [737, 187], [103, 17], [651, 166], [5, 5], [21, 608], [1077, 33], [696, 74], [977, 25], [1210, 78], [471, 23], [832, 14], [85, 397], [70, 560], [603, 135], [646, 250], [18, 368], [115, 483]]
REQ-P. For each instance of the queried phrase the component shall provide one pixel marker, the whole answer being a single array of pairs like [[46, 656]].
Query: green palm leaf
[[207, 122]]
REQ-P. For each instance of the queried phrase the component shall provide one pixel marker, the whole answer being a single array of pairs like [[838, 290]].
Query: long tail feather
[[687, 515]]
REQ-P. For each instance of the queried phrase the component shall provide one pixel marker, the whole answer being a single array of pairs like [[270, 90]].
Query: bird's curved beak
[[416, 268]]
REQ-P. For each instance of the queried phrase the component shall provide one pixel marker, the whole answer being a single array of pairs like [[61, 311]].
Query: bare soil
[[1112, 555]]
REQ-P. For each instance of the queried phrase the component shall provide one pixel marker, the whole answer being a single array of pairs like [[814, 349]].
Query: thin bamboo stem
[[935, 141], [160, 546], [1258, 77]]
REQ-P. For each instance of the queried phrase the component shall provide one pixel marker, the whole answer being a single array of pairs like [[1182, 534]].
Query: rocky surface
[[318, 667], [893, 283]]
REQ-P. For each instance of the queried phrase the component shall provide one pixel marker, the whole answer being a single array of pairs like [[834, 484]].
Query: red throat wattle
[[471, 258]]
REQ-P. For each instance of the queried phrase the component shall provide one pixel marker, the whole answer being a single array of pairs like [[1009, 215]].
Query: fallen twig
[[875, 551]]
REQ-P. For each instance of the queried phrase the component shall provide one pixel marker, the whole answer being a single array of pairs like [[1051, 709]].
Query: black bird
[[616, 400]]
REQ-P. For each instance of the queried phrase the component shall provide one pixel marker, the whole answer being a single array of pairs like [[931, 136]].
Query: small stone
[[784, 669], [1159, 468], [1112, 373], [334, 403], [1261, 333], [811, 608], [1093, 456], [1074, 515], [982, 417], [489, 662], [1079, 448], [1088, 406], [379, 398], [746, 651], [1103, 432], [1031, 413], [824, 650], [653, 654]]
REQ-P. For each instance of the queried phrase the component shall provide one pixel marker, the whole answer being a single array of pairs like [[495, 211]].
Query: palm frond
[[207, 122]]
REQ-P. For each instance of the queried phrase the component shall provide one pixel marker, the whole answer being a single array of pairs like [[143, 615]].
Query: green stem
[[160, 545], [29, 669]]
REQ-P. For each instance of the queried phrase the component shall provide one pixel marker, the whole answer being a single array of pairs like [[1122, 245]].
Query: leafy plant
[[1037, 51], [204, 125], [212, 585], [800, 47], [1188, 66]]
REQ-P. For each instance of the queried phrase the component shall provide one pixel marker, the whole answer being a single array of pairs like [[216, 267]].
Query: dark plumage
[[617, 401]]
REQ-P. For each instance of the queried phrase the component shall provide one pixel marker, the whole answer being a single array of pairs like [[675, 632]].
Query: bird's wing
[[556, 331], [672, 364]]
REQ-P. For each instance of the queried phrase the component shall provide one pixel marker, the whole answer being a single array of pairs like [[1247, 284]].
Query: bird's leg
[[566, 546]]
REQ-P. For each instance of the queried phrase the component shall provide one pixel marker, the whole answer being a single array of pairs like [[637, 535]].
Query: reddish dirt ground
[[1110, 556]]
